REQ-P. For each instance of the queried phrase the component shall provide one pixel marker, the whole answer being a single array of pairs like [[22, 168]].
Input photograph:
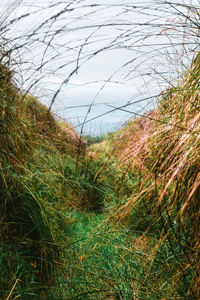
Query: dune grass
[[119, 222], [162, 150]]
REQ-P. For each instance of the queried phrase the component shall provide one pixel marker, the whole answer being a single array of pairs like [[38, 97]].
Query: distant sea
[[101, 118]]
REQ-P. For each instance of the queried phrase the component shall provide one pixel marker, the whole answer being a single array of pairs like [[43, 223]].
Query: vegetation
[[113, 217], [90, 140], [122, 222], [161, 149]]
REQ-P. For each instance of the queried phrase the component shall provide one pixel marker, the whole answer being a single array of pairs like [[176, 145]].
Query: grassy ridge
[[162, 150], [33, 189]]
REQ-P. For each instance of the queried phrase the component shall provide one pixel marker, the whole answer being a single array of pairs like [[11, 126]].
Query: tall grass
[[121, 222], [33, 188], [40, 184], [162, 150]]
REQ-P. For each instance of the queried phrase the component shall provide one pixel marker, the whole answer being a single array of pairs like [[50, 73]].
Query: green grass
[[116, 223], [99, 259]]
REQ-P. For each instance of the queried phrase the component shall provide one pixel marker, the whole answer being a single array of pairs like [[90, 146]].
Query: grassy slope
[[33, 191], [121, 222], [162, 151]]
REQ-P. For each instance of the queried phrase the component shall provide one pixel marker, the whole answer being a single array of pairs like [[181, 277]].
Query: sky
[[77, 53]]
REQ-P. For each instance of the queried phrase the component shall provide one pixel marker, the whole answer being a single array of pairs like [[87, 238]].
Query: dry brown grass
[[44, 125], [163, 149]]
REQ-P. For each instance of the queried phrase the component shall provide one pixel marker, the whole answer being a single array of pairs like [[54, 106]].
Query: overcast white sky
[[67, 33]]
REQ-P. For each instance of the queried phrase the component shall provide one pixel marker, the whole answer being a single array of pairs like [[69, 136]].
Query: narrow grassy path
[[103, 262]]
